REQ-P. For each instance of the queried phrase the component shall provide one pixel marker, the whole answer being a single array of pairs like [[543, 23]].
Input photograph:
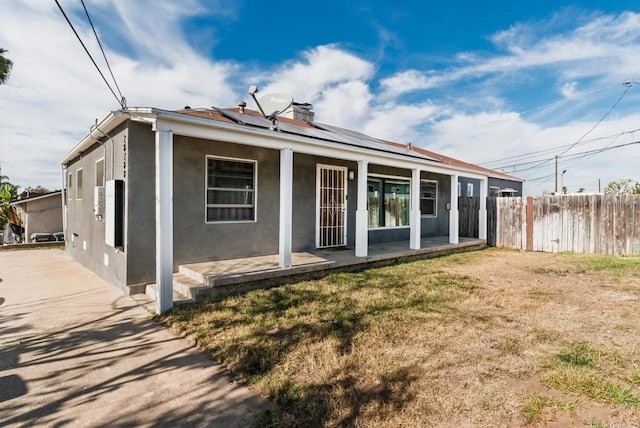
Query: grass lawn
[[491, 338]]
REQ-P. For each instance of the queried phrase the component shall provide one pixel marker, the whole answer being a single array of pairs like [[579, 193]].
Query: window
[[69, 184], [100, 172], [429, 198], [459, 190], [388, 202], [230, 190], [494, 191], [79, 184]]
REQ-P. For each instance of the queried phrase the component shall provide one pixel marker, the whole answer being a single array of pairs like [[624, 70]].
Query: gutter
[[154, 116]]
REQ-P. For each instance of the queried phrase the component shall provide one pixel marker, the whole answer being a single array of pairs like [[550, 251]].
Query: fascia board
[[206, 129], [110, 121]]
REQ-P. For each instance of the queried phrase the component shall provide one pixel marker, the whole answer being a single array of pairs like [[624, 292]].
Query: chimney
[[241, 106], [299, 111]]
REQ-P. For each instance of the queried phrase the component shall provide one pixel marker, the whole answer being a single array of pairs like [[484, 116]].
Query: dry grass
[[492, 338]]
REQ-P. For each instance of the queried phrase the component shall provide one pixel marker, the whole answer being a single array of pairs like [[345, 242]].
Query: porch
[[195, 282]]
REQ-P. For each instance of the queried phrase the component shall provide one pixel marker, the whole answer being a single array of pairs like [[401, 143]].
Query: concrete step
[[151, 291], [194, 274], [192, 288]]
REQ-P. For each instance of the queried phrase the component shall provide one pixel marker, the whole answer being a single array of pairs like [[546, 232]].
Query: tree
[[5, 67], [622, 186], [8, 214]]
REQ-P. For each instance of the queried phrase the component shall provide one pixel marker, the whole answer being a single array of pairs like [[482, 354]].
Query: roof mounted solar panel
[[245, 119]]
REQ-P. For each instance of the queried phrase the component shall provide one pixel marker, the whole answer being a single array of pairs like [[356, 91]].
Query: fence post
[[529, 223]]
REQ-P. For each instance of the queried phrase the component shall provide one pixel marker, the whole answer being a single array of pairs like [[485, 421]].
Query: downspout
[[63, 195]]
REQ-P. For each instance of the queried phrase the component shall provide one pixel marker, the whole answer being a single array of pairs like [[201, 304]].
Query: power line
[[586, 154], [551, 150], [123, 103], [89, 54], [628, 85]]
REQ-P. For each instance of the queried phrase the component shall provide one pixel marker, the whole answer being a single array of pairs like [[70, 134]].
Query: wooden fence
[[599, 224]]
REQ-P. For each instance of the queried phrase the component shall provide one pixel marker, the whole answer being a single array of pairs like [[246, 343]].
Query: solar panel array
[[324, 132]]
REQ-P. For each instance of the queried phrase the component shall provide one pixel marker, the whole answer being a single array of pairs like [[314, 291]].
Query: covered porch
[[198, 281]]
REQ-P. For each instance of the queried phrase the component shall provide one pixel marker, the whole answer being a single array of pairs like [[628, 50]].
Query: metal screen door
[[331, 196]]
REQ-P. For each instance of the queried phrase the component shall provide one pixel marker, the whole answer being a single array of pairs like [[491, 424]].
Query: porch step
[[185, 290], [192, 288], [151, 291]]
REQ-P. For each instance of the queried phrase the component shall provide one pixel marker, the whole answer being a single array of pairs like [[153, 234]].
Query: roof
[[246, 118], [36, 197]]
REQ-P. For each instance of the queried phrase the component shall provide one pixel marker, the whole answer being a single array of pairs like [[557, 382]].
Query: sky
[[504, 84]]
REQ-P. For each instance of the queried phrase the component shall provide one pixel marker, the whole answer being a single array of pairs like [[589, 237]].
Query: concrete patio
[[198, 281]]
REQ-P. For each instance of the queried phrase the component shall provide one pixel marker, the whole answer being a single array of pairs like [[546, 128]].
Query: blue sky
[[474, 80]]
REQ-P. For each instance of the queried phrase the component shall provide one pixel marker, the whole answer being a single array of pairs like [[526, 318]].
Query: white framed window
[[459, 190], [100, 172], [494, 191], [388, 201], [79, 184], [69, 185], [230, 190], [469, 189], [429, 198]]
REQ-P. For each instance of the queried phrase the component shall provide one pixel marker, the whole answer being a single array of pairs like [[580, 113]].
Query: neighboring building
[[164, 188], [41, 216]]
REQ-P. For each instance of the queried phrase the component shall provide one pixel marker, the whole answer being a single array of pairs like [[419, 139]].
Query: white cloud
[[320, 69]]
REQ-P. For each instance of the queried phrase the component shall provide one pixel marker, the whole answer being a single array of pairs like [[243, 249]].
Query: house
[[148, 190], [41, 216]]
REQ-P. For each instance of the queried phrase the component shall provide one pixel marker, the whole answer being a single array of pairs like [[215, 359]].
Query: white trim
[[255, 190], [345, 171], [104, 171], [435, 205], [164, 219], [362, 215], [285, 258], [482, 210], [415, 217], [454, 227], [79, 183]]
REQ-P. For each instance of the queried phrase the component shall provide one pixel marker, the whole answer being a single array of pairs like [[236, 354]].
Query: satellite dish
[[274, 104], [271, 105]]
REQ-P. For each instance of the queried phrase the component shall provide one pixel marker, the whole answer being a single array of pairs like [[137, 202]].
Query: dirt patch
[[491, 338]]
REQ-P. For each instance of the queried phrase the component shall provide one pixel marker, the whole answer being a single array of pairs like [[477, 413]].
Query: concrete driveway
[[75, 351]]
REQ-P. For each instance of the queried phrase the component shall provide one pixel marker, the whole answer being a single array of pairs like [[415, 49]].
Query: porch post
[[286, 196], [164, 220], [415, 219], [362, 215], [482, 214], [453, 213]]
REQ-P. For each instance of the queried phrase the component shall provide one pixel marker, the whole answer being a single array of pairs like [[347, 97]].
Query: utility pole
[[556, 191]]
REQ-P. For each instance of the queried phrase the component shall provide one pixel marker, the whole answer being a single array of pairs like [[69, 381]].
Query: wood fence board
[[600, 224]]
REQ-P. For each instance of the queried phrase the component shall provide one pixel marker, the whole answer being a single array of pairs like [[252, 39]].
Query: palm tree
[[5, 67]]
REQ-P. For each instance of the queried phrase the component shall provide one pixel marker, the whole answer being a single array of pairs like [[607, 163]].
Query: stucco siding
[[195, 239], [85, 235]]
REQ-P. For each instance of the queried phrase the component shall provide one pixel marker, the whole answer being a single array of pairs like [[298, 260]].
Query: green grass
[[585, 370], [537, 407], [604, 263]]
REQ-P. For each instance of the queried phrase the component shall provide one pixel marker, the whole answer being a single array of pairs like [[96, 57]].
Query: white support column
[[362, 215], [482, 214], [415, 219], [164, 220], [286, 197], [454, 227]]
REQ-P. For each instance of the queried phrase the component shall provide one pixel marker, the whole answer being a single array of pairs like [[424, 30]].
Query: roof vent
[[299, 111], [241, 106]]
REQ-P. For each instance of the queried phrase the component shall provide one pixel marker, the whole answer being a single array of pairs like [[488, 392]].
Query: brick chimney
[[299, 111]]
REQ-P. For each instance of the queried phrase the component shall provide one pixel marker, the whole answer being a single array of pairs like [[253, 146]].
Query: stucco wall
[[42, 215], [85, 236]]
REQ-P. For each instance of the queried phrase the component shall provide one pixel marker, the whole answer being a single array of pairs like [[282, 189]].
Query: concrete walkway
[[75, 351]]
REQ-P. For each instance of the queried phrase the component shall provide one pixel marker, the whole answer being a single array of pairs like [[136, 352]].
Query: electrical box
[[114, 213], [98, 202]]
